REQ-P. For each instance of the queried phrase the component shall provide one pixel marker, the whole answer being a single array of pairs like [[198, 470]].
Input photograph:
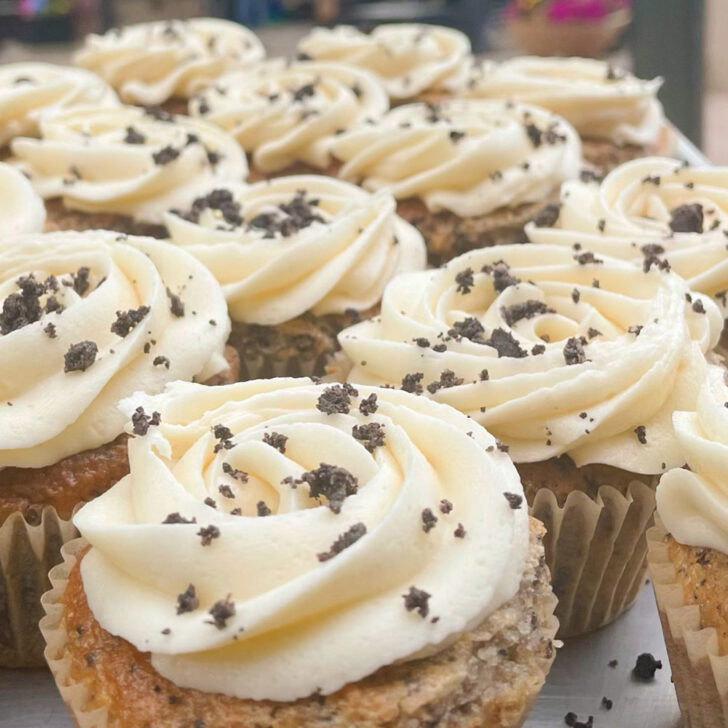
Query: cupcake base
[[487, 679], [258, 175]]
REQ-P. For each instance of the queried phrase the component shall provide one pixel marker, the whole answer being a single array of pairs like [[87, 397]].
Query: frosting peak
[[21, 209]]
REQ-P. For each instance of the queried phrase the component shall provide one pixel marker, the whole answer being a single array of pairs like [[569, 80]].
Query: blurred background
[[684, 41]]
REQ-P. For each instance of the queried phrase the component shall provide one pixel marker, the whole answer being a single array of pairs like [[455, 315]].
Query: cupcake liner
[[595, 549], [699, 672], [59, 217], [27, 553]]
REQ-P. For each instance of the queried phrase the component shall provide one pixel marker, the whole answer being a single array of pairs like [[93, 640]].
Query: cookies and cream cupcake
[[235, 575], [575, 362], [286, 115], [618, 115], [85, 320], [30, 91], [298, 258], [21, 209], [466, 173], [167, 62], [409, 59], [123, 168], [688, 557]]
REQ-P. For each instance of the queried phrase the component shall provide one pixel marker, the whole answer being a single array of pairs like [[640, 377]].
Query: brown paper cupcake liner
[[595, 549], [27, 554], [699, 672]]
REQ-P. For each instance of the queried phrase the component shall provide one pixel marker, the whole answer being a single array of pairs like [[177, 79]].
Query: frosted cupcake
[[466, 173], [167, 62], [286, 115], [575, 362], [298, 258], [122, 169], [21, 209], [654, 212], [618, 115], [688, 556], [85, 319], [409, 59], [239, 568], [30, 91]]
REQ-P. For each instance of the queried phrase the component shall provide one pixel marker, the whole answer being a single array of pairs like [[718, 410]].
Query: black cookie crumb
[[687, 218], [80, 357], [207, 534], [346, 539], [429, 520], [371, 435], [515, 501], [417, 600], [368, 406], [276, 440], [221, 611], [332, 482], [187, 601], [141, 421], [646, 666]]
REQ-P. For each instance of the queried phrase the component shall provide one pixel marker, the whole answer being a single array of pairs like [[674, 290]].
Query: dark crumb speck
[[161, 361], [641, 433], [141, 421], [460, 531], [207, 534], [465, 281], [336, 399], [175, 304], [346, 539], [646, 666], [368, 406], [429, 520], [445, 506], [515, 501], [607, 703], [128, 320], [332, 482], [371, 435], [80, 357], [165, 155], [574, 351], [187, 601], [417, 600], [176, 518], [276, 440], [263, 509], [505, 344], [221, 611], [548, 215], [687, 218], [412, 383]]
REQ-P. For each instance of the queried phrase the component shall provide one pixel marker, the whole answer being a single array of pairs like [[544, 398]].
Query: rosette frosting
[[553, 350], [653, 211], [283, 113], [469, 157], [87, 319], [296, 244], [409, 59], [245, 549], [21, 209], [30, 91], [150, 63], [128, 161]]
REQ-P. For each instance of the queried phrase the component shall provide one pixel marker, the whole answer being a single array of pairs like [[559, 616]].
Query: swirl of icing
[[554, 351], [149, 63], [21, 209], [283, 113], [600, 101], [278, 591], [30, 91], [128, 161], [87, 319], [409, 59], [469, 157], [297, 244], [649, 211], [693, 504]]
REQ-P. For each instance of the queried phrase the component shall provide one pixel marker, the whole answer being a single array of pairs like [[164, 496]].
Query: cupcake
[[85, 319], [575, 362], [466, 173], [30, 91], [654, 212], [123, 168], [618, 116], [234, 577], [409, 59], [688, 557], [286, 115], [167, 62], [21, 209], [299, 258]]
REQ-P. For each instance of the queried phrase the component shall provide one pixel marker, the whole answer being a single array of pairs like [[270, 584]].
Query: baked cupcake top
[[245, 549], [127, 160], [29, 91], [601, 101], [553, 350], [468, 157], [89, 318], [653, 211], [282, 113], [297, 244], [409, 59], [21, 209], [150, 63], [692, 500]]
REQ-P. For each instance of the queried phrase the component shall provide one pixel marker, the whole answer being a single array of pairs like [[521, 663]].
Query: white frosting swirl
[[278, 253], [641, 356], [47, 413], [630, 216], [30, 91], [600, 101], [150, 63], [693, 504], [283, 113], [469, 157], [409, 59], [301, 623], [21, 209], [128, 161]]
